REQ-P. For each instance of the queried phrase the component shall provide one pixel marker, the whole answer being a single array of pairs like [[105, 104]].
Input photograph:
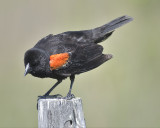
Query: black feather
[[84, 52]]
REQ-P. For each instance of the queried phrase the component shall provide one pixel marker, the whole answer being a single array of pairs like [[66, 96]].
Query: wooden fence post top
[[60, 113]]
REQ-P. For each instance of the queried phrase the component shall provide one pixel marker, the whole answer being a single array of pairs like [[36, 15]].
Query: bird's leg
[[69, 95], [55, 85], [46, 95]]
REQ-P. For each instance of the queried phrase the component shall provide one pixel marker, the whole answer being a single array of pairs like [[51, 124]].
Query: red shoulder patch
[[58, 60]]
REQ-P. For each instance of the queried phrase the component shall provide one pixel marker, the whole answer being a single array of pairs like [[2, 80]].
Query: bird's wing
[[72, 56], [80, 60]]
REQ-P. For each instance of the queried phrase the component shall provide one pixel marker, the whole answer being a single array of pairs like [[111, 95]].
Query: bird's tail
[[103, 32]]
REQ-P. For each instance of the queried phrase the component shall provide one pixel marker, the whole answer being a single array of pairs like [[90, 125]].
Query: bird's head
[[36, 62]]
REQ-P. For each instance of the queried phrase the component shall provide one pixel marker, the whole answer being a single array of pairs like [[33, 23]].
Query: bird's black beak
[[27, 69]]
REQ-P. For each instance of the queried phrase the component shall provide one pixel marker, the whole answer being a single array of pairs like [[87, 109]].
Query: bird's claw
[[57, 96], [69, 96]]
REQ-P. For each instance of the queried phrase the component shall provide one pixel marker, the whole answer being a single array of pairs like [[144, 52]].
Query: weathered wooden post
[[60, 113]]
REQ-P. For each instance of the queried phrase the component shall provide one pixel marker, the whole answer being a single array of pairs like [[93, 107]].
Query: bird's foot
[[57, 96], [69, 96]]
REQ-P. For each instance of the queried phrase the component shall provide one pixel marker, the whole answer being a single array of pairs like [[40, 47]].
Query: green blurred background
[[124, 92]]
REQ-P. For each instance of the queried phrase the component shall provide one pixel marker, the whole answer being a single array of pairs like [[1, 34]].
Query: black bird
[[70, 53]]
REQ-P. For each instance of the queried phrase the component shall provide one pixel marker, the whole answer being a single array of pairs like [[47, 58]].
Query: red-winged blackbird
[[70, 53]]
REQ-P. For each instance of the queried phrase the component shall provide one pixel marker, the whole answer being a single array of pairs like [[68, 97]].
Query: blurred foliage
[[123, 92]]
